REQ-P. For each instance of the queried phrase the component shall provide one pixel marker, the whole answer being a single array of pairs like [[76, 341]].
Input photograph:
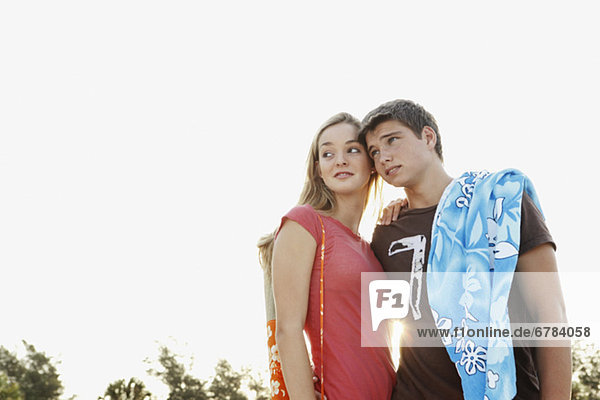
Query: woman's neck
[[348, 210]]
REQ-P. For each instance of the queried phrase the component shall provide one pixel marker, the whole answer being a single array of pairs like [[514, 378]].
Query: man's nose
[[385, 155]]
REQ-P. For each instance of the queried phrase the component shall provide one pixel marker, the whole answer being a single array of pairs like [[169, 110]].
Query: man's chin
[[395, 181]]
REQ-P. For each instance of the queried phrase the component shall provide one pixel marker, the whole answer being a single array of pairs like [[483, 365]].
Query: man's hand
[[390, 213]]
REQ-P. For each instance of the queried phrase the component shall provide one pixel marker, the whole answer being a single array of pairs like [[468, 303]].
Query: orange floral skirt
[[278, 389]]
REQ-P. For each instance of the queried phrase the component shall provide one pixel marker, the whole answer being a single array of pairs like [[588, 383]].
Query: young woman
[[340, 177]]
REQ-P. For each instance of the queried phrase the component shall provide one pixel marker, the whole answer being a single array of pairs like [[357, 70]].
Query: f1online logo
[[388, 299]]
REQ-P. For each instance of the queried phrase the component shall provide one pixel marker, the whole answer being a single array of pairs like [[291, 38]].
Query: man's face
[[400, 157]]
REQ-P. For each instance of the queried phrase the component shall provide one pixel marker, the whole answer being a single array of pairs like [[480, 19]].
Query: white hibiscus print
[[471, 285], [275, 387], [498, 348], [274, 354], [473, 358], [501, 249], [492, 379], [460, 343], [442, 323]]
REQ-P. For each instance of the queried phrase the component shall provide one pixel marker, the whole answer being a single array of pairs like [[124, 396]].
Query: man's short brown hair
[[406, 112]]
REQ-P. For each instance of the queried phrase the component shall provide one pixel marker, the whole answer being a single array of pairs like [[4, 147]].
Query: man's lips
[[343, 174], [392, 170]]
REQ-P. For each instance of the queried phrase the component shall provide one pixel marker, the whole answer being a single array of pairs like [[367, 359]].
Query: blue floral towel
[[474, 250]]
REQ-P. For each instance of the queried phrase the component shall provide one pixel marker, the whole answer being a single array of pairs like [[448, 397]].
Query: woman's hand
[[391, 212], [317, 392]]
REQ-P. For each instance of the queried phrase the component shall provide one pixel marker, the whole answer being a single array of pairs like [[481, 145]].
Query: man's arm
[[545, 304]]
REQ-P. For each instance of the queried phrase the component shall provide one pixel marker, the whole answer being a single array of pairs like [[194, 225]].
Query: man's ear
[[430, 137]]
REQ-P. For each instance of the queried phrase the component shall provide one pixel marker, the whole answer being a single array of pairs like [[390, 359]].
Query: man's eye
[[392, 139], [374, 153]]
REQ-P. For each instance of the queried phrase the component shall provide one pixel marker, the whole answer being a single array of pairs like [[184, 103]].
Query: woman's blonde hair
[[315, 192]]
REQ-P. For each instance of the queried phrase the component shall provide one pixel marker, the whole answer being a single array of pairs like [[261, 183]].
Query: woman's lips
[[343, 174]]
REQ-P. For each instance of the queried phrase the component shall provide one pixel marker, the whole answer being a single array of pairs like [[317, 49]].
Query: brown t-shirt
[[428, 372]]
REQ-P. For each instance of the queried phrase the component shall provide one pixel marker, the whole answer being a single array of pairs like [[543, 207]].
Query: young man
[[404, 141]]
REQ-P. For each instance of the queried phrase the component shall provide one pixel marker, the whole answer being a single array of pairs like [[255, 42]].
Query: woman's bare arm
[[293, 258]]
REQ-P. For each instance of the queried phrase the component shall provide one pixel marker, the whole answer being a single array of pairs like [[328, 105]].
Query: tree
[[35, 374], [133, 390], [10, 365], [227, 383], [9, 390], [586, 372], [182, 386], [257, 385]]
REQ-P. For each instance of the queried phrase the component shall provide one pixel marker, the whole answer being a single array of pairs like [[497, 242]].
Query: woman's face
[[343, 162]]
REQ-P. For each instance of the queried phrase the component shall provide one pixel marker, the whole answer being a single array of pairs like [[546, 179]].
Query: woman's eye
[[353, 150], [374, 153], [326, 154]]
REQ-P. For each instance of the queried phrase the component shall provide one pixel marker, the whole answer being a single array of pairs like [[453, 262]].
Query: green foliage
[[133, 390], [35, 375], [182, 386], [227, 383], [35, 378], [9, 390], [257, 385], [10, 364], [586, 372]]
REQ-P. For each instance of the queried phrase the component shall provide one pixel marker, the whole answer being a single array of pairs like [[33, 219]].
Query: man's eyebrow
[[387, 135]]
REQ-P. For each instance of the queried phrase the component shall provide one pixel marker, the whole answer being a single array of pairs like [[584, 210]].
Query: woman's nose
[[341, 160]]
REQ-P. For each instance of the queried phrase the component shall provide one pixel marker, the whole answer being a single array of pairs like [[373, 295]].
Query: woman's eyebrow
[[347, 142]]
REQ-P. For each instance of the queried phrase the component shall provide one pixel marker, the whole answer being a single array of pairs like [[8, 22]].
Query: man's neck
[[428, 190]]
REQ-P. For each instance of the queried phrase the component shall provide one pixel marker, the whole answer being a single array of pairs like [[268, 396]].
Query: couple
[[317, 258]]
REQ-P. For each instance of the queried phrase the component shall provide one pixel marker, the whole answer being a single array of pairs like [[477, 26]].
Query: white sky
[[145, 146]]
